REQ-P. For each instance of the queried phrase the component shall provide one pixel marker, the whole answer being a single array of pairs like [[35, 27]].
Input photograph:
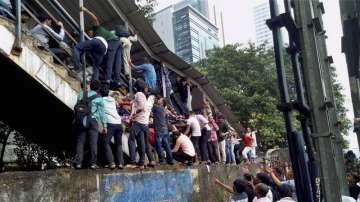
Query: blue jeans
[[114, 130], [229, 148], [139, 136], [96, 49], [113, 61], [92, 134], [162, 141]]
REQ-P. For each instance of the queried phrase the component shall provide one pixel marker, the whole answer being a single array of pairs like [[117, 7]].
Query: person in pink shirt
[[205, 135], [184, 150], [213, 144]]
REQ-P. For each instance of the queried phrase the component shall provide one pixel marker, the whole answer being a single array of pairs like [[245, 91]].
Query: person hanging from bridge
[[126, 40], [90, 119], [97, 47], [43, 32], [114, 51], [149, 73]]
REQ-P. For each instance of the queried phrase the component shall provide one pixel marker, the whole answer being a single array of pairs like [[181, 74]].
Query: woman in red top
[[248, 139]]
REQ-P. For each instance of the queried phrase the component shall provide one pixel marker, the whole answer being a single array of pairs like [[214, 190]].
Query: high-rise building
[[262, 32], [186, 31], [200, 5]]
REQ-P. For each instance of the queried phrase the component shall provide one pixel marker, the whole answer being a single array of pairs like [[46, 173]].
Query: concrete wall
[[178, 184]]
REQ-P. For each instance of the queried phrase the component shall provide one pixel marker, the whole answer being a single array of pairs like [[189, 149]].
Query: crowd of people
[[273, 185], [276, 184], [154, 113], [152, 124]]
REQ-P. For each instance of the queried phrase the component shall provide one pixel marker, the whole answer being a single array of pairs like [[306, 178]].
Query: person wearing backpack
[[90, 118]]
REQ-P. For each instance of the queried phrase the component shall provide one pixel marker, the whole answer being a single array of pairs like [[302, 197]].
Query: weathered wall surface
[[179, 184]]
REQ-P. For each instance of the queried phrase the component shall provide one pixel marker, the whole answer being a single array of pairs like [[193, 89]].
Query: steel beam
[[319, 91]]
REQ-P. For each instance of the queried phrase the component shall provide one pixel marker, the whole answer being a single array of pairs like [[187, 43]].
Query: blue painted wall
[[147, 187]]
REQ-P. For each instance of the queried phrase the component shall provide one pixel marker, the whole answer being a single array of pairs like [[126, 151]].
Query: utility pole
[[82, 38], [316, 71], [350, 12]]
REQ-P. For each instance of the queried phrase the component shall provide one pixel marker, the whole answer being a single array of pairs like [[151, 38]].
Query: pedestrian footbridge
[[37, 95]]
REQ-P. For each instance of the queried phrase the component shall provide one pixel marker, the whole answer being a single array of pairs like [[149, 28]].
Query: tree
[[344, 122], [146, 8], [246, 78]]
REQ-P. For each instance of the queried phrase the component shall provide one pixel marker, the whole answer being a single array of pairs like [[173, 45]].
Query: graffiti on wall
[[158, 186]]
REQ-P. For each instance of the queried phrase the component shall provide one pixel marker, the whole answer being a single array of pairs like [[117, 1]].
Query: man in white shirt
[[205, 135], [195, 135], [140, 130], [43, 31], [187, 152]]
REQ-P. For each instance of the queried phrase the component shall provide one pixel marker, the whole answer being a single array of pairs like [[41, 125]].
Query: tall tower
[[262, 32], [187, 30], [200, 5]]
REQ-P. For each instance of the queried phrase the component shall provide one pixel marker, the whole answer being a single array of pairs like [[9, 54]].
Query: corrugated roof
[[115, 12]]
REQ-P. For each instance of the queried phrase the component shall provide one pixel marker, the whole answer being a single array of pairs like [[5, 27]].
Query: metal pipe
[[66, 18], [67, 15], [294, 52], [82, 39], [17, 45], [303, 193]]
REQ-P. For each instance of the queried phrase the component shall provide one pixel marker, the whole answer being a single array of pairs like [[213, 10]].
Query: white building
[[163, 24], [262, 32]]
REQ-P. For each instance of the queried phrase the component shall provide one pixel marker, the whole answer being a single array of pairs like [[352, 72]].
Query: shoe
[[151, 164], [189, 163], [162, 163], [111, 166], [77, 166], [131, 166], [120, 167], [171, 162], [94, 166]]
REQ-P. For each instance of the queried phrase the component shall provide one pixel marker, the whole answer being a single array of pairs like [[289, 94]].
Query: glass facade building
[[200, 5], [186, 31], [194, 34]]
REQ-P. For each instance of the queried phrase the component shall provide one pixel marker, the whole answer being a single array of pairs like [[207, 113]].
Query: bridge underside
[[32, 110]]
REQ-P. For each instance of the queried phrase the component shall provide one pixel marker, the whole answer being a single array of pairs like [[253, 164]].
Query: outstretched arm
[[92, 15], [273, 176], [224, 186]]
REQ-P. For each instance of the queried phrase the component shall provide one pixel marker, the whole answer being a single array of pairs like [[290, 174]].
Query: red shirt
[[248, 140]]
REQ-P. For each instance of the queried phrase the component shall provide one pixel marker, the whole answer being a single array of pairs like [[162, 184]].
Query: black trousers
[[91, 133], [196, 142], [114, 130], [205, 135], [181, 157]]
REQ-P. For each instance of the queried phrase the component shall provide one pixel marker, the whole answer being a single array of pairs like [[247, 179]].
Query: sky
[[239, 28]]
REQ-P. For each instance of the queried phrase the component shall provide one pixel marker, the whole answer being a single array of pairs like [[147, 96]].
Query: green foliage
[[146, 8], [246, 78], [344, 122]]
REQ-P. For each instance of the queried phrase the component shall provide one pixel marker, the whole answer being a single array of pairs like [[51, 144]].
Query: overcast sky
[[239, 28]]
